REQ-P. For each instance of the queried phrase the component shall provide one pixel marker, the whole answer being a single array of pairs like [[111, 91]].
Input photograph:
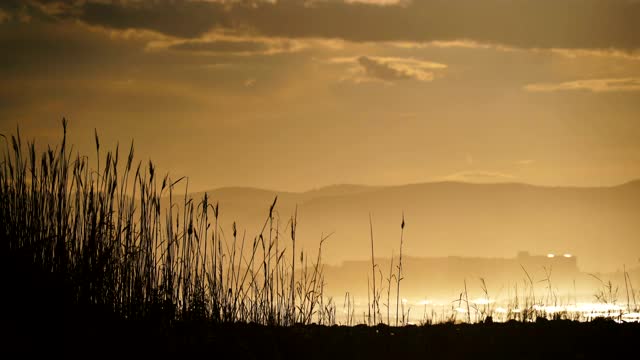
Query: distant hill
[[600, 225]]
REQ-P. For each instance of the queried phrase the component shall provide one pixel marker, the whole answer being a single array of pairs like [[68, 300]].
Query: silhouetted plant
[[102, 233]]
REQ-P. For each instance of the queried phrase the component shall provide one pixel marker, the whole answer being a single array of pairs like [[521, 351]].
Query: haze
[[295, 95]]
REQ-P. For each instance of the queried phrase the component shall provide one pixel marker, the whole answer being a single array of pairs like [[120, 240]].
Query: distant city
[[443, 278]]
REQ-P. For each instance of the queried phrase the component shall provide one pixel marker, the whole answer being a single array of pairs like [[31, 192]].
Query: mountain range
[[598, 225]]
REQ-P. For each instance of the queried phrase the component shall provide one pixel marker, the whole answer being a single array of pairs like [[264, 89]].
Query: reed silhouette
[[116, 247], [104, 242]]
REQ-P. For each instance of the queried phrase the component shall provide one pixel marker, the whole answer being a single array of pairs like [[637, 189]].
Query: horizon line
[[433, 182]]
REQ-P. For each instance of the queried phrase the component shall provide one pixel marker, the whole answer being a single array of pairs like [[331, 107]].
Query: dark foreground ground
[[543, 340], [42, 322]]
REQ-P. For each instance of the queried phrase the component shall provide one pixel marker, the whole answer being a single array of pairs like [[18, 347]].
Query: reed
[[117, 239], [374, 307], [399, 277]]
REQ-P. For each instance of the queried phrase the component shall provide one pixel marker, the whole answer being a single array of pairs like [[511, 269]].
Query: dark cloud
[[186, 19], [522, 23], [56, 49], [25, 11], [598, 24]]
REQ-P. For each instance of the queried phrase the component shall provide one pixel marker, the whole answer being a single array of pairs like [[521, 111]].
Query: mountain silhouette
[[597, 224]]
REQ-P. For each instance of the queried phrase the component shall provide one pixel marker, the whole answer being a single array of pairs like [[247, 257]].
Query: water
[[424, 311]]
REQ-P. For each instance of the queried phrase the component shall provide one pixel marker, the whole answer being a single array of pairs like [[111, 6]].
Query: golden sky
[[298, 94]]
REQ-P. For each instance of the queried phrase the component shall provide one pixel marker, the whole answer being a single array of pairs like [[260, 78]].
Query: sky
[[299, 94]]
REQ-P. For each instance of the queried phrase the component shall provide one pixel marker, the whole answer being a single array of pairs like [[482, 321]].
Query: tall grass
[[399, 277], [119, 240], [374, 305]]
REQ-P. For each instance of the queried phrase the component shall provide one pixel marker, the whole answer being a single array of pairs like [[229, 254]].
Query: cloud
[[388, 69], [570, 53], [452, 44], [544, 24], [606, 53], [185, 19], [593, 85], [479, 176], [237, 46], [222, 46]]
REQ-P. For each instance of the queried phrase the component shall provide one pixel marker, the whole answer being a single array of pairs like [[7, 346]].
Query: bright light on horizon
[[481, 301], [550, 256]]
